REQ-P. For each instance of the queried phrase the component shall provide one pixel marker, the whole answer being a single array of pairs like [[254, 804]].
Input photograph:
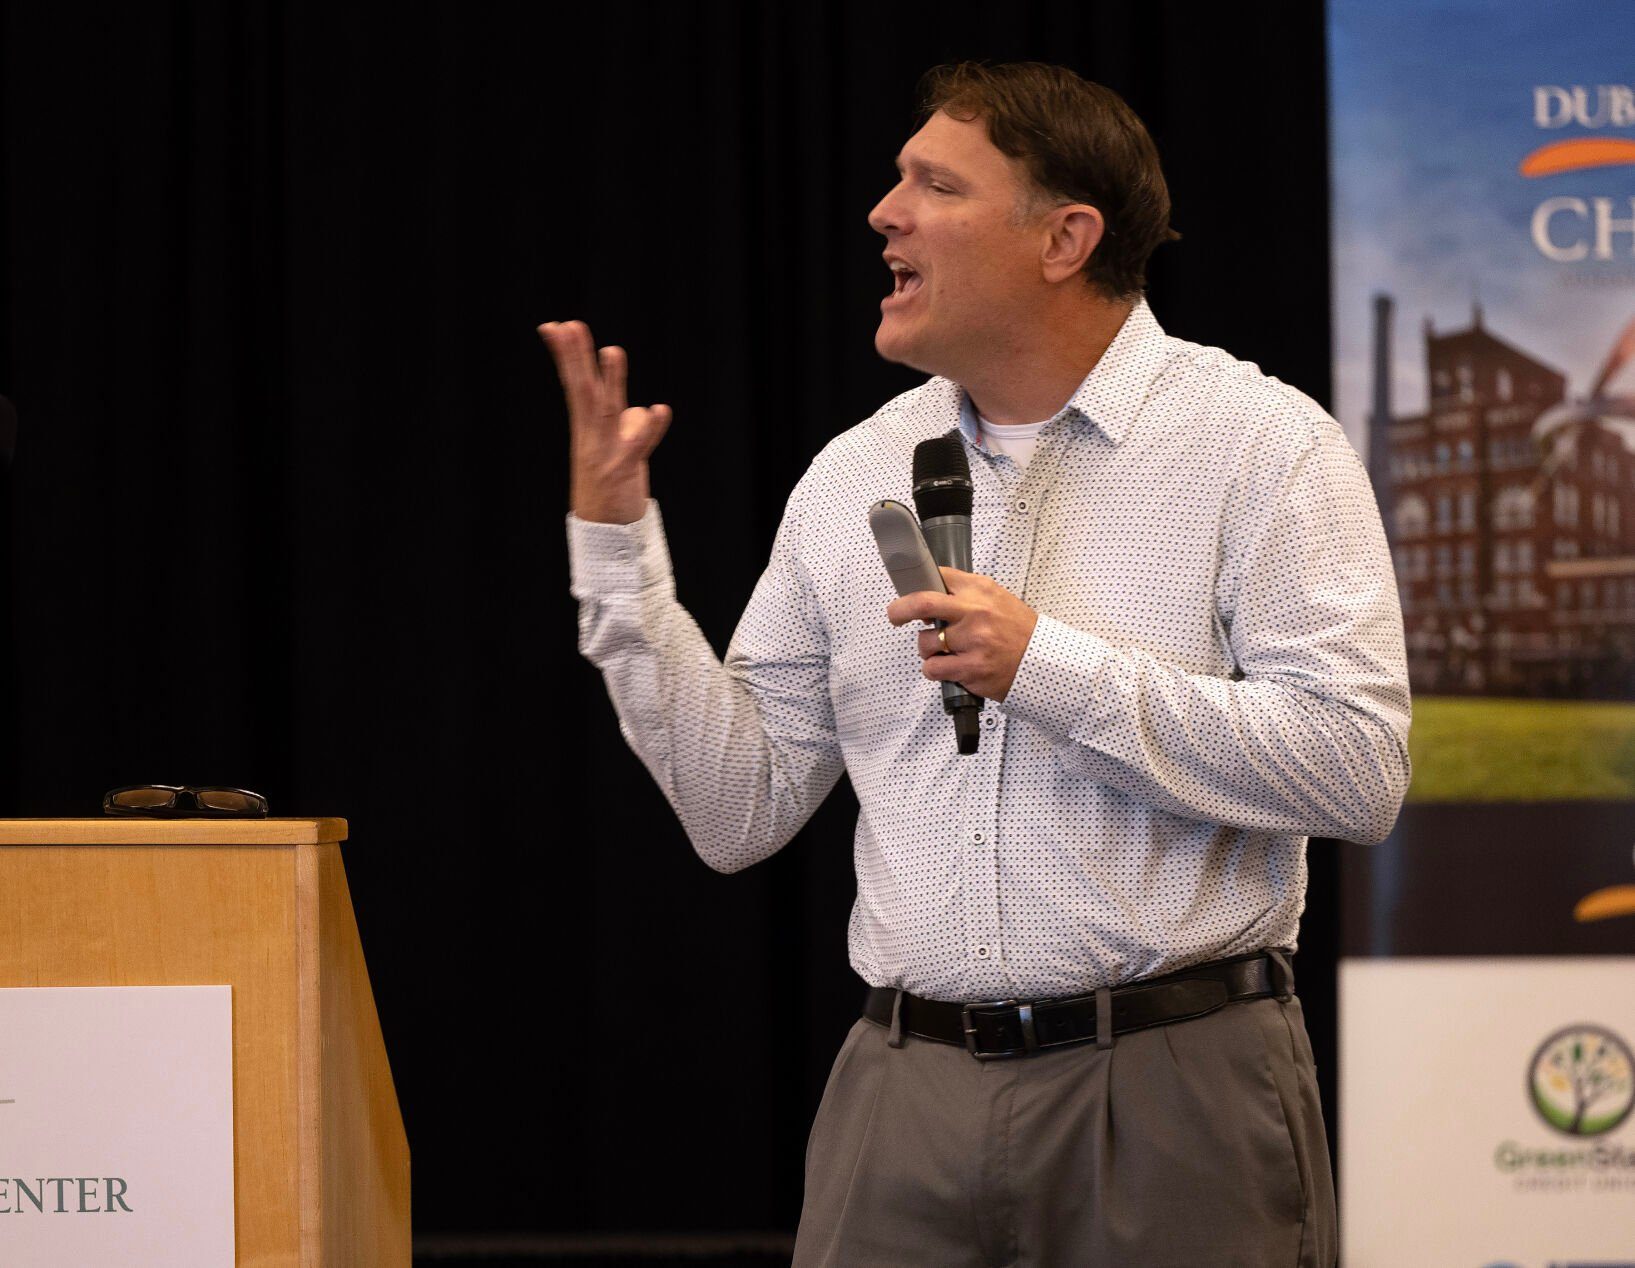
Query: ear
[[1071, 234]]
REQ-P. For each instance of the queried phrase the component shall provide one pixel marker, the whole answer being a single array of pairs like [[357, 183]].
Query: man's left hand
[[988, 630]]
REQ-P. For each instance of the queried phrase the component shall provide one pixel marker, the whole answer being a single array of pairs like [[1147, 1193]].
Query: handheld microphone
[[943, 496]]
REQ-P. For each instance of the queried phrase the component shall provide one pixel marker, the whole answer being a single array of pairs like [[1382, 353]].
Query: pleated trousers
[[1198, 1144]]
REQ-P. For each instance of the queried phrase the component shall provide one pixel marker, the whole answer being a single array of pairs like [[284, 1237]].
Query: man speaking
[[1081, 1045]]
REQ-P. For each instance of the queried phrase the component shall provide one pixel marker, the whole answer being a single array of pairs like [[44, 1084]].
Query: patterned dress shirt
[[1216, 674]]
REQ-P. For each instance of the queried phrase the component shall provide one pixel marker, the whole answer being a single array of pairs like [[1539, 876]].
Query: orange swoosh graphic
[[1577, 154], [1617, 900]]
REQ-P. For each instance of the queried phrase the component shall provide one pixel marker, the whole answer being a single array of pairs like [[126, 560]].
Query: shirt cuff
[[613, 559], [1054, 688]]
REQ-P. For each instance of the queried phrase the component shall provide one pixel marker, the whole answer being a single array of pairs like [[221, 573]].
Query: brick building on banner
[[1511, 517]]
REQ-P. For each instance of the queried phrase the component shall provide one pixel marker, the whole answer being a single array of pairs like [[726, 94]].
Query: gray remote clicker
[[903, 550]]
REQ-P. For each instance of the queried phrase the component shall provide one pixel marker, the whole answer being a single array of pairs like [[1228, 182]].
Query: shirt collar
[[1112, 392]]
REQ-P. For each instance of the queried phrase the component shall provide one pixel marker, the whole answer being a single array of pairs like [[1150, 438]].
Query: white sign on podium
[[116, 1126]]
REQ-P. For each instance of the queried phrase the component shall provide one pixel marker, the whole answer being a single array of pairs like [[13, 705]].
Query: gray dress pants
[[1199, 1144]]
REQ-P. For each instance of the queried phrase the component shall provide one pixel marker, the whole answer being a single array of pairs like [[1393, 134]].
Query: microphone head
[[942, 477]]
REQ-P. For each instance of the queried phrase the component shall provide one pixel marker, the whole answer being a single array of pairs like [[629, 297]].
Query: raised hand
[[610, 439]]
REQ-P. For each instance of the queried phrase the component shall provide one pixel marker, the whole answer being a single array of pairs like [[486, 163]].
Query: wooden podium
[[321, 1165]]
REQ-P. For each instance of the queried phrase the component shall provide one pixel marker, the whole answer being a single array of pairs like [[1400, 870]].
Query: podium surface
[[321, 1164]]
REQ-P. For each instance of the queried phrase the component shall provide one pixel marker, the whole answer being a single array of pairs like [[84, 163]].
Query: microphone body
[[949, 537], [943, 496]]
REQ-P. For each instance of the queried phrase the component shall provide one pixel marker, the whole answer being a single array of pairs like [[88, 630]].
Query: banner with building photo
[[1483, 160]]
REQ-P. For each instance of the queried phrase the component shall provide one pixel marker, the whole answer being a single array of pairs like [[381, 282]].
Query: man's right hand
[[610, 441]]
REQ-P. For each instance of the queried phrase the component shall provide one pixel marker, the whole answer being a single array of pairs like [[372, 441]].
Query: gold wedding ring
[[942, 637]]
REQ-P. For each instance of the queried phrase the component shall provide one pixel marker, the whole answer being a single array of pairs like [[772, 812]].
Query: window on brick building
[[1565, 499], [1410, 516], [1513, 507]]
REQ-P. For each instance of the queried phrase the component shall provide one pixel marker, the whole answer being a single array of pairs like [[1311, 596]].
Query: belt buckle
[[1024, 1015]]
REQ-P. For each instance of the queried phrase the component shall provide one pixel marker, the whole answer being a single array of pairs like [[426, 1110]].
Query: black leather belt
[[1015, 1028]]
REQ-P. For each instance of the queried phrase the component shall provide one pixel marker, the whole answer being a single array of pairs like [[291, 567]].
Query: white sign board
[[116, 1126], [1485, 1112]]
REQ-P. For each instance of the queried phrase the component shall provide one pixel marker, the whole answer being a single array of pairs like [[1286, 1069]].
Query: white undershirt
[[1018, 440]]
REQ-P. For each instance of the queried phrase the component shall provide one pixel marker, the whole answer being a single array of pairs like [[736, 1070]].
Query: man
[[1185, 624]]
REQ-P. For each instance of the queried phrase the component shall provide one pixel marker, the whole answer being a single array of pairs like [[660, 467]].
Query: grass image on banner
[[1495, 749]]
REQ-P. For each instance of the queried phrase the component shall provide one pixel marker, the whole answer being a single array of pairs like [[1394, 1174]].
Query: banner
[[1483, 160]]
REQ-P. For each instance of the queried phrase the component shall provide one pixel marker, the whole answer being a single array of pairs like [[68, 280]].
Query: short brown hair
[[1079, 142]]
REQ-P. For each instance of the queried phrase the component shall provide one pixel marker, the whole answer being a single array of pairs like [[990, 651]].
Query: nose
[[889, 214]]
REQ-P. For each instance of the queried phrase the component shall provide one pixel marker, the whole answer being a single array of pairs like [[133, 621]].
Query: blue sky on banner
[[1432, 109]]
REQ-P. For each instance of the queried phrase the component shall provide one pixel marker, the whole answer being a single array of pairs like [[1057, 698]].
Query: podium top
[[120, 830]]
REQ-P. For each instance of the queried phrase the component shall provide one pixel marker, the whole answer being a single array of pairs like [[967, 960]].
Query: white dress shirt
[[1217, 673]]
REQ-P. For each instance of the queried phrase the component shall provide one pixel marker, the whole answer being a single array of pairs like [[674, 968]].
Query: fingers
[[570, 345], [614, 365], [925, 605], [931, 645], [643, 428], [661, 415], [960, 669]]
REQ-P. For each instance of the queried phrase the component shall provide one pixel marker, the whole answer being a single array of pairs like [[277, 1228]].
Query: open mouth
[[905, 281]]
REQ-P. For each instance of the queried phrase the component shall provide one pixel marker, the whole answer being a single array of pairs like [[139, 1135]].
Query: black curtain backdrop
[[286, 509]]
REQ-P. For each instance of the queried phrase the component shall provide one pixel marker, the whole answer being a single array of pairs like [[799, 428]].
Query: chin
[[896, 346]]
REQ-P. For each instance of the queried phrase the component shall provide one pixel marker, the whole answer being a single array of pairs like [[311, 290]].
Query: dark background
[[286, 505]]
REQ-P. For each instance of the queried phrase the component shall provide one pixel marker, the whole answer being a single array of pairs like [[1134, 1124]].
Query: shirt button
[[977, 837], [1022, 506], [987, 719], [982, 953], [623, 556]]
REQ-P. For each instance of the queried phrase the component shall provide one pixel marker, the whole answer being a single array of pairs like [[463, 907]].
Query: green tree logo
[[1582, 1080]]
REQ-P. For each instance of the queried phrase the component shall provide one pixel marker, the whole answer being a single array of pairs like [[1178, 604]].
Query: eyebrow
[[929, 169]]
